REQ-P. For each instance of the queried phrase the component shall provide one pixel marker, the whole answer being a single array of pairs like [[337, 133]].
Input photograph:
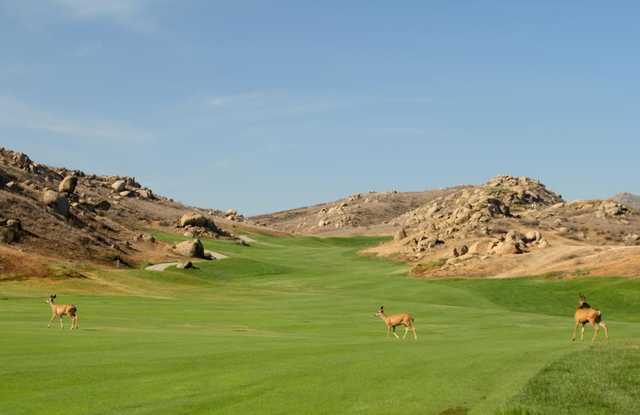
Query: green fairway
[[287, 326]]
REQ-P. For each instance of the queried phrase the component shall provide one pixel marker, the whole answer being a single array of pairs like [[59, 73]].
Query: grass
[[608, 384], [286, 326]]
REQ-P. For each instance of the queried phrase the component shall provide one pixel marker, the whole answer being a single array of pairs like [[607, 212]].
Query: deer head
[[51, 299], [582, 299], [380, 312]]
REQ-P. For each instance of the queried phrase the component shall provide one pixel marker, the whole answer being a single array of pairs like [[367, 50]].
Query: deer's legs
[[61, 324], [388, 330], [406, 330], [582, 333], [51, 321], [606, 329], [394, 332], [596, 329], [575, 331], [415, 336]]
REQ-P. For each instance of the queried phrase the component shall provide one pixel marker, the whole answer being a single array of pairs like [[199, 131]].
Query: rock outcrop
[[195, 224], [119, 186], [192, 248], [10, 230], [73, 216], [68, 184], [472, 213], [56, 201], [509, 221]]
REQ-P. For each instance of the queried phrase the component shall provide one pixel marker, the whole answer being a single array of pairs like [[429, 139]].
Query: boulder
[[192, 248], [131, 182], [507, 247], [400, 235], [614, 209], [10, 230], [196, 219], [185, 265], [14, 224], [144, 237], [57, 202], [542, 243], [49, 197], [323, 223], [514, 236], [68, 184], [148, 238], [460, 250], [428, 243], [532, 236], [8, 235], [102, 205], [477, 248], [145, 194], [119, 186]]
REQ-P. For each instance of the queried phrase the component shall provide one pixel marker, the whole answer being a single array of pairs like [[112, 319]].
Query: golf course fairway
[[287, 326]]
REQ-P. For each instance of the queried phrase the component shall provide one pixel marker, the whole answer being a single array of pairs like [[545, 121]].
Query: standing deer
[[395, 320], [585, 314], [59, 310]]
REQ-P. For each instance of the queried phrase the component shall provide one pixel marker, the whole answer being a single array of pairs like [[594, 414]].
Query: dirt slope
[[48, 215], [513, 226], [361, 213]]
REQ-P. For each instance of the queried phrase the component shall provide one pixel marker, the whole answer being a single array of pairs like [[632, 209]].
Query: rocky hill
[[509, 226], [361, 213], [50, 215], [628, 199], [516, 226]]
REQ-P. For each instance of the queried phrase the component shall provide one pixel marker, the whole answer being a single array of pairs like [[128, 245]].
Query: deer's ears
[[381, 307], [53, 296]]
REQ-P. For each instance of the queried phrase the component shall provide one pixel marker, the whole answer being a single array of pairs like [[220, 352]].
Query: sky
[[270, 105]]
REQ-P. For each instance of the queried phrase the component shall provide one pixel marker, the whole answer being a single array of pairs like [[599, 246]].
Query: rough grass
[[600, 381], [286, 326]]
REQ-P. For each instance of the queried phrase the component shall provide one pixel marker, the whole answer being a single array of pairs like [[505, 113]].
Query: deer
[[586, 314], [59, 310], [395, 320]]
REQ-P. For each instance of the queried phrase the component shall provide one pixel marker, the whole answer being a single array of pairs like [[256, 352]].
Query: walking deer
[[586, 314], [59, 310], [395, 320]]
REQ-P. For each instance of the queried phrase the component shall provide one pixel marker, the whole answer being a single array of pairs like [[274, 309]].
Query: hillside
[[628, 199], [361, 213], [513, 226], [52, 215]]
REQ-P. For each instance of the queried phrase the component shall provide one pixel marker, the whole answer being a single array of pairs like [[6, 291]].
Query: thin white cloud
[[276, 104], [16, 114], [226, 101], [400, 130], [126, 12], [272, 104], [134, 14]]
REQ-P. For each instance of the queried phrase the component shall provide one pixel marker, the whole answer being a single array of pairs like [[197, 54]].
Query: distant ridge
[[628, 199]]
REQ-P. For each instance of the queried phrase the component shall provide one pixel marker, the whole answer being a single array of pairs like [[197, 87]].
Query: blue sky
[[266, 105]]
